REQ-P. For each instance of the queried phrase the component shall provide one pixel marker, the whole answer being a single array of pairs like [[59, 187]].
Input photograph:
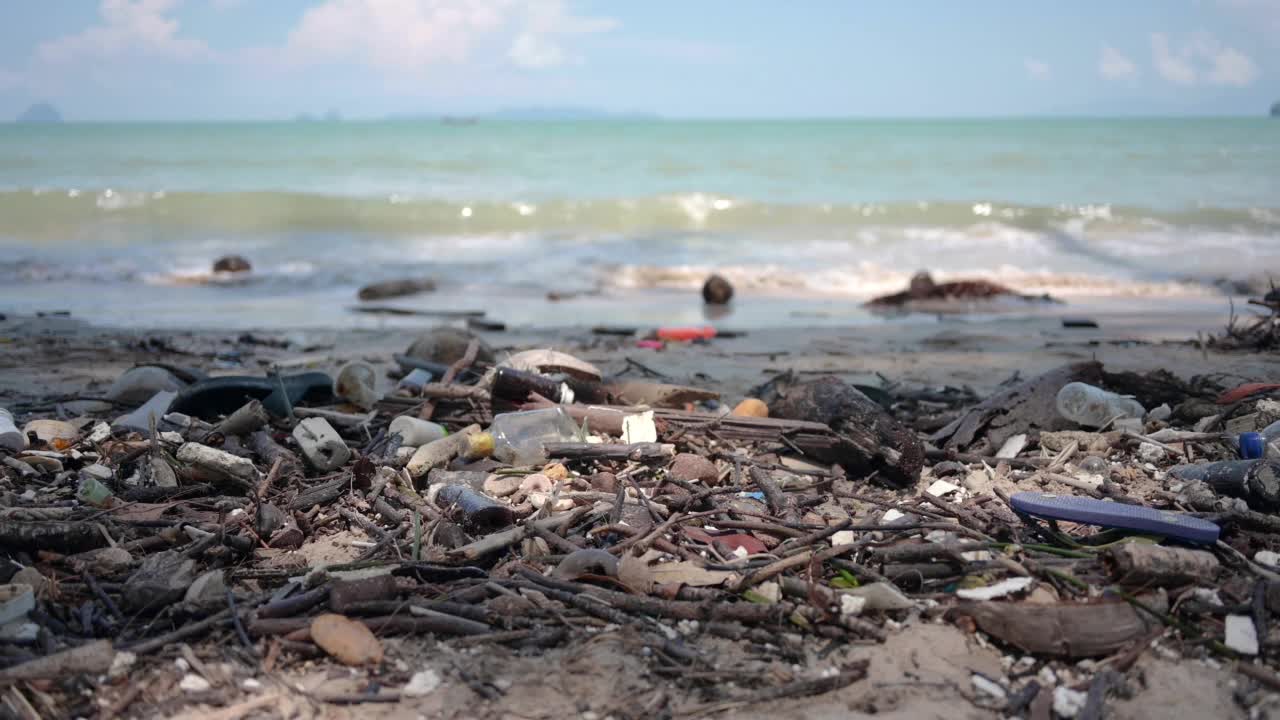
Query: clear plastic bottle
[[1271, 439], [1094, 407], [10, 437], [518, 437], [92, 492]]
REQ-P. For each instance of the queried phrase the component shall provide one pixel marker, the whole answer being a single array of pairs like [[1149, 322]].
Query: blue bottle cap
[[1252, 445]]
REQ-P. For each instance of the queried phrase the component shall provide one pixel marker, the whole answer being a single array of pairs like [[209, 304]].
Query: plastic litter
[[518, 437], [1116, 515], [1094, 407], [10, 437]]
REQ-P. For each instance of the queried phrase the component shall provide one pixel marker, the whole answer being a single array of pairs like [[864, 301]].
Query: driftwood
[[1030, 405], [65, 537], [250, 417], [1155, 566], [1068, 631], [265, 447], [320, 494]]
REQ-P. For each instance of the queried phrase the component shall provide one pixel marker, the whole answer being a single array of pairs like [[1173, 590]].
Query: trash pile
[[187, 539], [1261, 331]]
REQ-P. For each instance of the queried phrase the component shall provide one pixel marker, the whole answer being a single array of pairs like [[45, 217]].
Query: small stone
[[844, 537], [100, 433], [751, 407], [536, 483], [1161, 413], [121, 664], [232, 264], [1068, 703], [556, 472], [1149, 452], [422, 683], [688, 467], [988, 686], [349, 641], [162, 578], [30, 576], [717, 290], [208, 591], [250, 685], [103, 561], [501, 485], [1241, 635], [1262, 557], [193, 683], [604, 482]]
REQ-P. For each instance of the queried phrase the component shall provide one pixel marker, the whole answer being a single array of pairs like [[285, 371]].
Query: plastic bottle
[[92, 492], [415, 380], [10, 437], [518, 437], [1271, 439], [1094, 407]]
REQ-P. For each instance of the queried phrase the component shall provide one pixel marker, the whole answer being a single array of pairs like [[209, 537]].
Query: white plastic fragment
[[193, 683], [1000, 589], [881, 596], [942, 487], [890, 515], [1241, 635], [1268, 558], [770, 591], [639, 428], [1068, 703], [100, 433], [422, 683], [844, 537], [986, 685], [1012, 447], [852, 605]]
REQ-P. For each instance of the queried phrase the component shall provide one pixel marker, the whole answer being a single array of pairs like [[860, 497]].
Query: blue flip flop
[[1116, 515]]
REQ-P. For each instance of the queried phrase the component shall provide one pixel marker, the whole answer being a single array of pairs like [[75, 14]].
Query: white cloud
[[1232, 67], [128, 27], [1115, 65], [408, 35], [1201, 58], [1037, 69], [1174, 67]]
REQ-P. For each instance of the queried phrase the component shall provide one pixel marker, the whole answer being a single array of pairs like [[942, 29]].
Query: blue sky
[[261, 59]]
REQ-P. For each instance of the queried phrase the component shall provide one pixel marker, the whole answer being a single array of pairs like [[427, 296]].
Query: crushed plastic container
[[1094, 407], [415, 432], [518, 437], [92, 492], [10, 437]]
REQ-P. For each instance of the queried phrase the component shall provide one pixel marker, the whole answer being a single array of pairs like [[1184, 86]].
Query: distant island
[[1275, 109], [529, 114], [42, 113]]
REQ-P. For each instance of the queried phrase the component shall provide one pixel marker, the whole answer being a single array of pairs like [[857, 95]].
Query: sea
[[622, 220]]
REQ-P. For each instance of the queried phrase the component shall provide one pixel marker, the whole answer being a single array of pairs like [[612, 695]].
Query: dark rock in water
[[40, 113], [396, 288], [1275, 109], [231, 264], [923, 288], [446, 345], [870, 440], [717, 291]]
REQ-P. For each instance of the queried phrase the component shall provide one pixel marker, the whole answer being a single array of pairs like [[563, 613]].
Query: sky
[[274, 59]]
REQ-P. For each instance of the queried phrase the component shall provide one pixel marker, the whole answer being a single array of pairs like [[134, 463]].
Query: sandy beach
[[49, 366]]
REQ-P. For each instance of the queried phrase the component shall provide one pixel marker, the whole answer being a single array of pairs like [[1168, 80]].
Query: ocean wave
[[70, 214]]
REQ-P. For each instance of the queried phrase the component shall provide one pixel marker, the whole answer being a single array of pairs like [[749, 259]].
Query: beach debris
[[531, 508], [552, 362], [137, 385], [923, 288], [356, 383], [869, 439], [446, 345], [348, 641], [396, 288], [1142, 565], [751, 407], [1094, 407], [10, 437], [717, 290], [232, 264]]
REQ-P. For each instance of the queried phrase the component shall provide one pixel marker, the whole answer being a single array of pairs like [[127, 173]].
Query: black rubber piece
[[215, 397]]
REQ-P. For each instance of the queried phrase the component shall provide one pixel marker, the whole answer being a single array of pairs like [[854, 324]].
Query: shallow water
[[119, 223]]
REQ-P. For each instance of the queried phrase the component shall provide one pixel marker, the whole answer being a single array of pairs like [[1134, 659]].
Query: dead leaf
[[733, 541], [350, 641]]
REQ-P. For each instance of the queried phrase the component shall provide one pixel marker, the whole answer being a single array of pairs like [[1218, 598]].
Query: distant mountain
[[1275, 109], [40, 113]]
